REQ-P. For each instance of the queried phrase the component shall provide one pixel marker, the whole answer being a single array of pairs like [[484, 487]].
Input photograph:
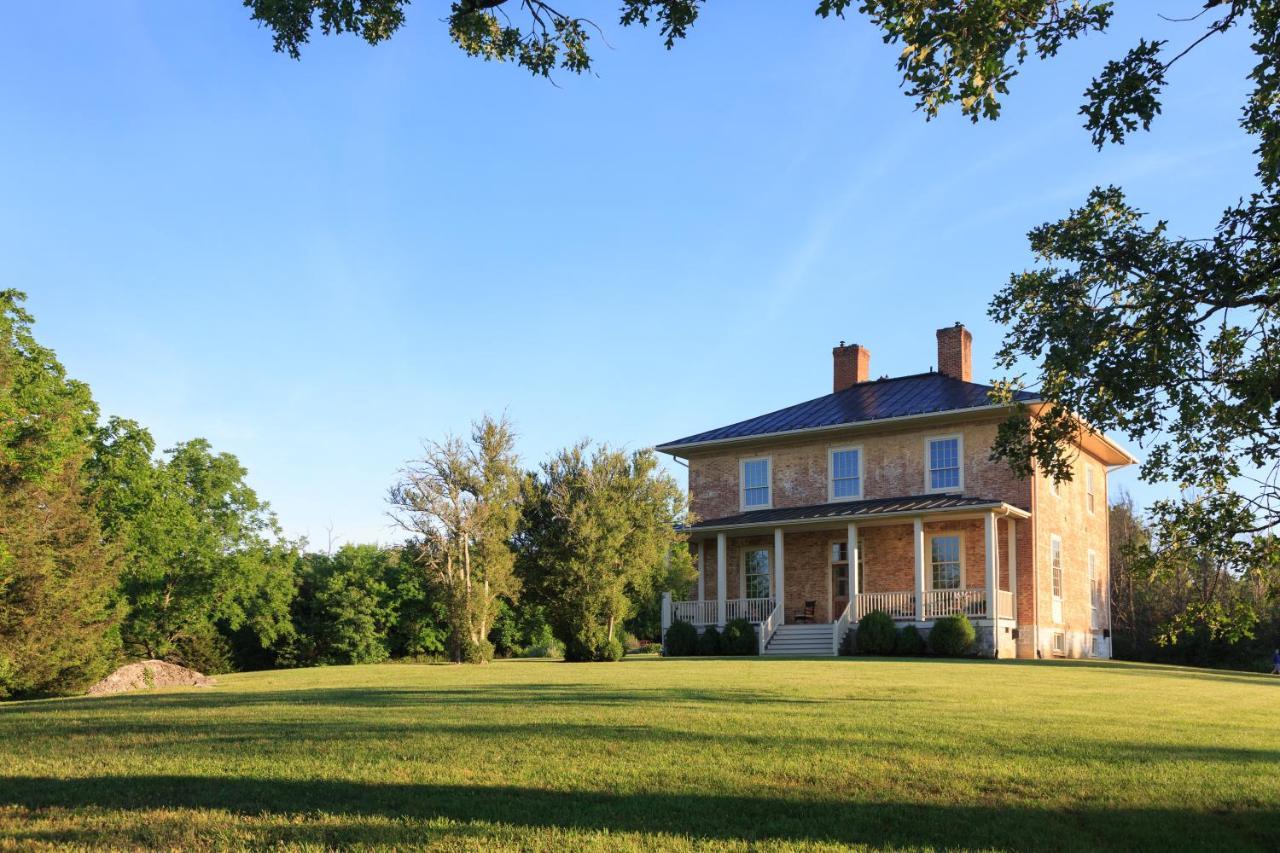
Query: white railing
[[899, 605], [751, 609], [842, 625], [945, 602], [694, 612], [769, 625], [1006, 604]]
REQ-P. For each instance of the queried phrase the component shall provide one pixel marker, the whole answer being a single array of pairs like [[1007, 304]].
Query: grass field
[[659, 754]]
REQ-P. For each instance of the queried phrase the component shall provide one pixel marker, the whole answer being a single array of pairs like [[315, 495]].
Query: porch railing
[[754, 610], [945, 602], [842, 626], [769, 625], [751, 609], [1006, 604], [694, 612], [899, 605]]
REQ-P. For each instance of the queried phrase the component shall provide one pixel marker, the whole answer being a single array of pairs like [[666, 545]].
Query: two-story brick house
[[893, 477]]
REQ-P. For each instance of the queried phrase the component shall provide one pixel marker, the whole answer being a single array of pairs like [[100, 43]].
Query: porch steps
[[801, 640]]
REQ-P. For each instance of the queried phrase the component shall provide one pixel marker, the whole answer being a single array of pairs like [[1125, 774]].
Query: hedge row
[[737, 638], [952, 636]]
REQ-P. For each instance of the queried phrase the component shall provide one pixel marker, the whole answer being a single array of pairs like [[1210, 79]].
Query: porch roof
[[852, 510]]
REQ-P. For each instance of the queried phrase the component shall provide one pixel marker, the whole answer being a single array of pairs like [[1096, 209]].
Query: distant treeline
[[111, 551]]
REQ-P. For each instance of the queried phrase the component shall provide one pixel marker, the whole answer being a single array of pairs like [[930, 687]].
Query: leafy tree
[[201, 551], [420, 628], [57, 575], [345, 606], [460, 503], [598, 533]]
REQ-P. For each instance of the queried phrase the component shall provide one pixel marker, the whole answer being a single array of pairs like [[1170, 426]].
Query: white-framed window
[[1059, 644], [840, 567], [944, 464], [756, 483], [946, 563], [756, 577], [1055, 564], [844, 465], [1095, 592], [1089, 498]]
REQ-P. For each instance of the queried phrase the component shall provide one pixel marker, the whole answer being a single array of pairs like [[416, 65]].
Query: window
[[755, 569], [1055, 488], [845, 465], [1059, 644], [1095, 593], [755, 483], [1088, 488], [840, 568], [1055, 564], [945, 561], [944, 464]]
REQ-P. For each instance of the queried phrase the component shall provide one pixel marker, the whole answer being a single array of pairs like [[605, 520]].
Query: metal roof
[[878, 399], [848, 510]]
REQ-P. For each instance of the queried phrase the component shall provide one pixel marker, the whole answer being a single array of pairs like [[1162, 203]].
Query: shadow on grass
[[702, 816]]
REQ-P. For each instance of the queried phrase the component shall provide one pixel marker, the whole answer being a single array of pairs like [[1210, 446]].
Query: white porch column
[[853, 570], [781, 592], [919, 552], [992, 550], [702, 571], [666, 614], [722, 574], [1012, 559]]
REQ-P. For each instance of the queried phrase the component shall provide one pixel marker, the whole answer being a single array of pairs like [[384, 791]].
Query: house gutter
[[674, 448], [1005, 510]]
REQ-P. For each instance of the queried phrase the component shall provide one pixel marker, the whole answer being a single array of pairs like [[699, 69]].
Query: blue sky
[[317, 264]]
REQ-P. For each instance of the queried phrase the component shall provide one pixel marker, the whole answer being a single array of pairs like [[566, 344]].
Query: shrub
[[952, 636], [612, 650], [849, 644], [681, 640], [709, 642], [910, 643], [876, 634], [740, 638]]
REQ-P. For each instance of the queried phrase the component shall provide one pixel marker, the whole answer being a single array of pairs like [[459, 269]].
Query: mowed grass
[[659, 754]]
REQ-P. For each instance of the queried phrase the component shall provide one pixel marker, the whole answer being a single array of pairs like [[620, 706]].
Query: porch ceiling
[[817, 514]]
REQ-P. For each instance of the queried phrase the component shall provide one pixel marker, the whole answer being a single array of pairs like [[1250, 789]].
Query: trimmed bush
[[612, 650], [952, 636], [709, 643], [910, 643], [876, 634], [681, 640], [850, 643], [740, 638]]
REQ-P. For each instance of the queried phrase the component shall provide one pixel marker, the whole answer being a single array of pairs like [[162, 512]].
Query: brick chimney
[[955, 352], [851, 363]]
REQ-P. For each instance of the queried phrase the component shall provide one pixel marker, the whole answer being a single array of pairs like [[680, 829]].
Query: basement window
[[1059, 644]]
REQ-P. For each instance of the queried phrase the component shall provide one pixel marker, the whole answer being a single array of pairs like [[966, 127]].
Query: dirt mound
[[147, 674]]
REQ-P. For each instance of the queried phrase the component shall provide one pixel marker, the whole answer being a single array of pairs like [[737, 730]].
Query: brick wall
[[893, 466]]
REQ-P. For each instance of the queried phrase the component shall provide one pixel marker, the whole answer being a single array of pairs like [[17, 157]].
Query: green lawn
[[653, 753]]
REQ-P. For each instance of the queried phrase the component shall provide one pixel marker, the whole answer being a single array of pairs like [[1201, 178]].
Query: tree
[[598, 534], [460, 503], [202, 553], [58, 615], [345, 607]]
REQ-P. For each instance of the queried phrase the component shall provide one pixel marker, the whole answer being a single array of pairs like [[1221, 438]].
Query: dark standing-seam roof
[[847, 509], [878, 399]]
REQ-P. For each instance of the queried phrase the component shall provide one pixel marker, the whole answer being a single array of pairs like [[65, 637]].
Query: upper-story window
[[756, 491], [1089, 498], [1055, 565], [845, 466], [944, 473]]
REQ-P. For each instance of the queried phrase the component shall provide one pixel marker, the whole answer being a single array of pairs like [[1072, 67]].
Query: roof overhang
[[1107, 451], [975, 510], [946, 415]]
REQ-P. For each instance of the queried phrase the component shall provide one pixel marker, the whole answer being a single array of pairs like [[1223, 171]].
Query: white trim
[[832, 450], [1090, 496], [742, 482], [871, 519], [1055, 539], [742, 569], [928, 550], [702, 571], [928, 471]]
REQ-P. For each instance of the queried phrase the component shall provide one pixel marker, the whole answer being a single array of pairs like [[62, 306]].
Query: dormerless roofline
[[674, 447]]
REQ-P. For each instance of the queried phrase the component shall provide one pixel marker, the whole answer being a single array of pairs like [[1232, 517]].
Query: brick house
[[882, 496]]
